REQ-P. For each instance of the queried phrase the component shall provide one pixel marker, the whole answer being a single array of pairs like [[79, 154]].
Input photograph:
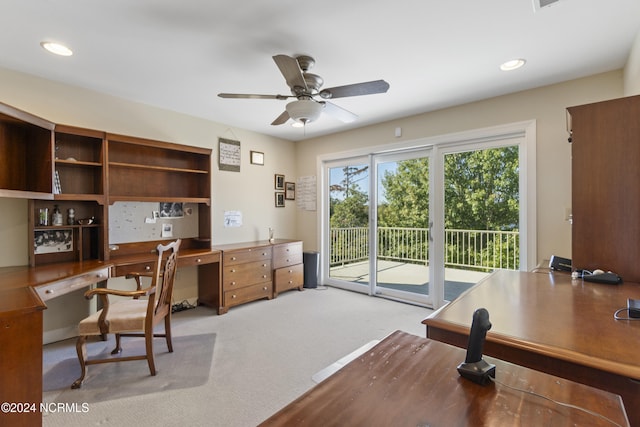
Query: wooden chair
[[132, 317]]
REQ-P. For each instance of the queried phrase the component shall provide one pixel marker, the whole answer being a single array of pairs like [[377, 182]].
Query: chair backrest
[[165, 276]]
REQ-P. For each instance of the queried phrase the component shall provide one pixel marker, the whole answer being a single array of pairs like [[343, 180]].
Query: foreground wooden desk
[[407, 380], [23, 291], [553, 324]]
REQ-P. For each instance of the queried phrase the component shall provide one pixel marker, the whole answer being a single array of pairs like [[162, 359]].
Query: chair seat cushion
[[123, 316]]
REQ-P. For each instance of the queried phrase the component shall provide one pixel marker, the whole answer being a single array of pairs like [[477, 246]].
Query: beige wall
[[545, 105], [632, 70]]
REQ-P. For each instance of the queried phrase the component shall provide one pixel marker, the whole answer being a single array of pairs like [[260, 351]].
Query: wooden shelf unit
[[79, 163], [161, 171], [25, 155], [94, 169]]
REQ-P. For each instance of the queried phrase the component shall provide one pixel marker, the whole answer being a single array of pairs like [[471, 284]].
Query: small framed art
[[279, 199], [290, 190], [279, 182], [256, 158]]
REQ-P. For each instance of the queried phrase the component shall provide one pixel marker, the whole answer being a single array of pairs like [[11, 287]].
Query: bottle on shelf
[[71, 216], [56, 216]]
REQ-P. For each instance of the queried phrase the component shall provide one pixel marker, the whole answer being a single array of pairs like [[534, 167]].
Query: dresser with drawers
[[257, 270]]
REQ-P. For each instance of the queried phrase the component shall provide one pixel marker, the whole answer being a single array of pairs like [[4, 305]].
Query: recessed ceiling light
[[57, 48], [514, 64]]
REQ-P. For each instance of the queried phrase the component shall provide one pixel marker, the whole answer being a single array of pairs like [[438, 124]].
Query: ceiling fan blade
[[291, 71], [281, 119], [339, 112], [252, 96], [357, 89]]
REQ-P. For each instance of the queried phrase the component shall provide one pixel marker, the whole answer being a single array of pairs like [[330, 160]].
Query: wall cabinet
[[605, 193]]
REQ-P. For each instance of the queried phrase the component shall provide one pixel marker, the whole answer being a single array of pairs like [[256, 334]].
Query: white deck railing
[[472, 249]]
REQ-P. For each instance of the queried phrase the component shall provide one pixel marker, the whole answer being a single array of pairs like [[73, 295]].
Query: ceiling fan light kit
[[304, 110], [305, 86]]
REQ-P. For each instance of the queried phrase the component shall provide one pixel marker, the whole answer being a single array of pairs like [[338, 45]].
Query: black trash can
[[311, 261]]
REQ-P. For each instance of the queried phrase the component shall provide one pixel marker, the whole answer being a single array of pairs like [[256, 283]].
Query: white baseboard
[[59, 334]]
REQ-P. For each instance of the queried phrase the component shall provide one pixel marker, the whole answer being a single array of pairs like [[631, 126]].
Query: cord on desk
[[568, 405], [616, 315]]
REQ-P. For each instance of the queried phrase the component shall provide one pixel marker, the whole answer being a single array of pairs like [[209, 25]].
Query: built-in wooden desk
[[140, 257], [551, 323], [407, 380], [23, 291]]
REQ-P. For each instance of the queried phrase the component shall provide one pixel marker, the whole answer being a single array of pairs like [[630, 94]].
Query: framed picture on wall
[[257, 158], [279, 182], [279, 199], [290, 190]]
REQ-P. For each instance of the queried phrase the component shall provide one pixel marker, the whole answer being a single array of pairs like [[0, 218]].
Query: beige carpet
[[265, 356], [188, 366]]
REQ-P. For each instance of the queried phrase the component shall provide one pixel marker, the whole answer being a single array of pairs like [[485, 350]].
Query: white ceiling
[[179, 55]]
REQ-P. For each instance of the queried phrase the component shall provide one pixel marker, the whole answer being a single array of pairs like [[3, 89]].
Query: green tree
[[482, 189], [348, 203], [407, 195]]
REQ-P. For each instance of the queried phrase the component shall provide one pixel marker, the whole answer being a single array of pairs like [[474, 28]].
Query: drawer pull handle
[[287, 259], [264, 276], [99, 276], [290, 282], [233, 258], [147, 268], [264, 288], [233, 283], [264, 265], [264, 254], [48, 291], [198, 260], [290, 271], [233, 270], [233, 296]]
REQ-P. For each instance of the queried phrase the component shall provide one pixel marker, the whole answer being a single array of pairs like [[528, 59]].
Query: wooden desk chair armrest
[[133, 294], [137, 275]]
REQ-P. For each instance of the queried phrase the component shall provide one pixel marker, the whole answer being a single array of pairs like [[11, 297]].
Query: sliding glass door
[[425, 223], [402, 226], [349, 246]]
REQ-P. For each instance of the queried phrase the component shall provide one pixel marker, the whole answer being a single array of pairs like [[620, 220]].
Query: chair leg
[[118, 348], [167, 332], [148, 337], [81, 349]]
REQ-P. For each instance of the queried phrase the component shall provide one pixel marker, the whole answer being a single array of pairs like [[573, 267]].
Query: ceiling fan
[[305, 87]]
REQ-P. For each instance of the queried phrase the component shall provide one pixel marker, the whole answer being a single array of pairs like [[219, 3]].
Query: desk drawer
[[247, 255], [198, 259], [288, 278], [248, 293], [71, 284], [237, 276], [140, 267], [287, 254]]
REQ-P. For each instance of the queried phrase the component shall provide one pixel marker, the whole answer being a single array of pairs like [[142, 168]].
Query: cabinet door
[[605, 192]]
